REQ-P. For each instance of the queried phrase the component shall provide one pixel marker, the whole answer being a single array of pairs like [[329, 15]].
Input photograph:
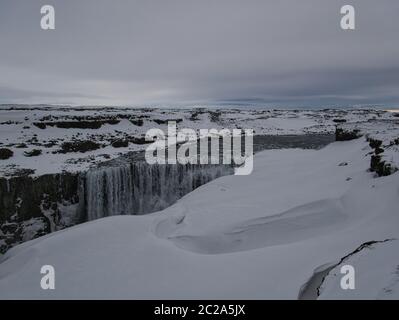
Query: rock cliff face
[[384, 157], [30, 207], [345, 134], [377, 163]]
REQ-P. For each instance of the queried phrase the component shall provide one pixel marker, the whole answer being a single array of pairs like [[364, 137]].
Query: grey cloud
[[23, 96], [262, 51]]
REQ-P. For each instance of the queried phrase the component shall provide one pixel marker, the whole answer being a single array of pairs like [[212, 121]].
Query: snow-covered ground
[[46, 128], [376, 273], [259, 236], [383, 130]]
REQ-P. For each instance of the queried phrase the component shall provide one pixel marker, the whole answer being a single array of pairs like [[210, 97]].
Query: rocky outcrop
[[137, 122], [31, 207], [345, 134], [377, 164], [5, 153], [121, 143], [165, 121], [81, 124], [33, 153], [79, 146], [139, 140]]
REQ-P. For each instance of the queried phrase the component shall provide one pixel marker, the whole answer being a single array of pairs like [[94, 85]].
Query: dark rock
[[79, 146], [377, 165], [10, 122], [120, 143], [33, 153], [160, 121], [40, 125], [342, 164], [5, 153], [31, 191], [22, 172], [10, 227], [50, 144], [381, 167], [139, 140], [138, 122], [214, 116], [339, 120], [82, 124], [378, 150], [345, 135], [78, 124], [21, 146], [24, 198], [374, 143], [374, 162], [195, 114]]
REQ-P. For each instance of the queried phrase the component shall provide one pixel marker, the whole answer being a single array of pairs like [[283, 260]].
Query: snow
[[17, 126], [376, 274], [238, 237], [31, 227], [387, 131]]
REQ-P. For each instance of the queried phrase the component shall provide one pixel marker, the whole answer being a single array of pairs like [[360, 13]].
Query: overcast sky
[[276, 53]]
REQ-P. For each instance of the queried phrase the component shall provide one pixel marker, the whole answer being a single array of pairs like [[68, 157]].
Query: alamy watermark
[[347, 21], [47, 282], [47, 22], [207, 146], [348, 280]]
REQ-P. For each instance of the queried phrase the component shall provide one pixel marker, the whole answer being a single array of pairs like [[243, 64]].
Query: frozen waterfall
[[139, 188]]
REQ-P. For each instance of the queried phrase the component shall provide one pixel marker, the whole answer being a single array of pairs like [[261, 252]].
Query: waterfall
[[139, 188], [130, 186]]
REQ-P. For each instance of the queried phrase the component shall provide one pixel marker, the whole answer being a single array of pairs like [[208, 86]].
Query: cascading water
[[131, 186], [125, 185], [139, 188]]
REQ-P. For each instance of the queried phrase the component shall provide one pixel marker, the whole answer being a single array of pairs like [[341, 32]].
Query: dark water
[[308, 141], [260, 143]]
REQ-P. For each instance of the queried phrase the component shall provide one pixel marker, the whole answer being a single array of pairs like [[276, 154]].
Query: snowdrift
[[238, 237]]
